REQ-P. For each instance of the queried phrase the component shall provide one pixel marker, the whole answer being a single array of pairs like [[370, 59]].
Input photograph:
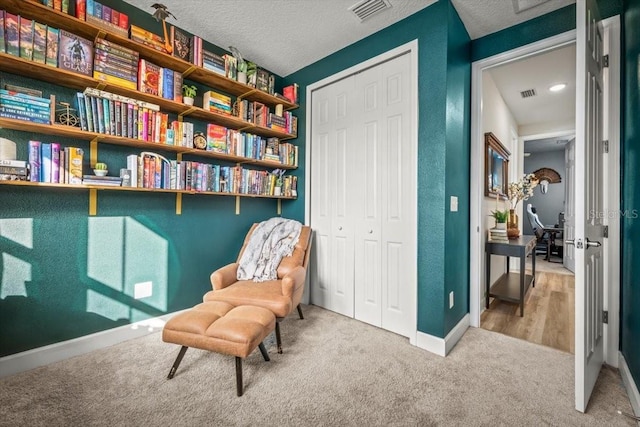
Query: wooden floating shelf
[[77, 133], [34, 10], [136, 189]]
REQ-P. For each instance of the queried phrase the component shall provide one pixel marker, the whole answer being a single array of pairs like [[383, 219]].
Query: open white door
[[588, 202]]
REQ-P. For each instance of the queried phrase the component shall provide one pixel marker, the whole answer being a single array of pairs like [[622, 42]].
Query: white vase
[[187, 100], [501, 225], [242, 77], [277, 191]]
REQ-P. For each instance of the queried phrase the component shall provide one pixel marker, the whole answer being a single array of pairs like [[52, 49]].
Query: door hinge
[[605, 231], [605, 61], [605, 146], [605, 316]]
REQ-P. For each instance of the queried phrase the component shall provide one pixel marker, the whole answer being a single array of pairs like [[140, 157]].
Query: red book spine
[[123, 21], [81, 9]]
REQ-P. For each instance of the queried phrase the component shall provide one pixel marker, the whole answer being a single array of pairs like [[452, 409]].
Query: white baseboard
[[630, 385], [30, 359], [442, 346]]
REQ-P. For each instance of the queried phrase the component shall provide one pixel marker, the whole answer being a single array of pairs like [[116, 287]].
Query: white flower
[[521, 190]]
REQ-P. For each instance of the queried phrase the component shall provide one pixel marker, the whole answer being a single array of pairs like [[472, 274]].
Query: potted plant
[[501, 218], [241, 64], [189, 94], [100, 169]]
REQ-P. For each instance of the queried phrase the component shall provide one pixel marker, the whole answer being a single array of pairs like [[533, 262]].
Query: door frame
[[410, 48], [612, 204]]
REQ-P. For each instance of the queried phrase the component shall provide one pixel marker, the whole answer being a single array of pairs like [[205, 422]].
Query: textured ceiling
[[287, 35], [282, 36], [482, 17]]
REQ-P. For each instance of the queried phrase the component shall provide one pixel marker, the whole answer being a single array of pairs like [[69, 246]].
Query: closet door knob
[[340, 228], [370, 231]]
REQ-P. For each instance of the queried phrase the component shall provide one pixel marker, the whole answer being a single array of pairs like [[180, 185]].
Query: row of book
[[261, 115], [21, 106], [159, 81], [234, 142], [49, 162], [151, 170], [96, 13]]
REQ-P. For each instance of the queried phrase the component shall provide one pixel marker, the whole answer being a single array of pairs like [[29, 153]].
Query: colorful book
[[39, 42], [12, 33], [3, 47], [90, 8], [177, 87], [75, 165], [167, 83], [34, 160], [81, 9], [123, 22], [148, 77], [26, 38], [180, 42], [75, 53], [80, 108], [55, 162], [52, 46], [216, 138]]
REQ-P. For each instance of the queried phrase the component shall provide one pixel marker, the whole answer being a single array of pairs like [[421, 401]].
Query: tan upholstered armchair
[[280, 296]]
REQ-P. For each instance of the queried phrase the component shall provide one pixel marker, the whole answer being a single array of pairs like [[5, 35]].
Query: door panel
[[589, 202], [568, 259]]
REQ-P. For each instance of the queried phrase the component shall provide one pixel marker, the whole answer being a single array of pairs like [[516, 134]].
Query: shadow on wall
[[113, 271]]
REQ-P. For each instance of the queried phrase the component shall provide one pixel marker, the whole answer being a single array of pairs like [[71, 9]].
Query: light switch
[[454, 204]]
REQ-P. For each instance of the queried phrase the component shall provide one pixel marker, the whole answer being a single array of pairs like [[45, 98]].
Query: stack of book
[[213, 62], [498, 235], [276, 122], [115, 64], [103, 16], [21, 106], [147, 38], [13, 170], [112, 181], [216, 102]]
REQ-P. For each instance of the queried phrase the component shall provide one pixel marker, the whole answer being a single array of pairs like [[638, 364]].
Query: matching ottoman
[[222, 328]]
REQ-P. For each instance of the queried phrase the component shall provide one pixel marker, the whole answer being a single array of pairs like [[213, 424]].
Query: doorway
[[535, 124], [478, 205]]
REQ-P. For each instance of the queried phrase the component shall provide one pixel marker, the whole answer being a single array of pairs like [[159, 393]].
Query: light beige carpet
[[334, 371]]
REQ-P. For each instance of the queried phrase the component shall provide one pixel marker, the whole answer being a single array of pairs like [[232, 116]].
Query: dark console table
[[511, 286]]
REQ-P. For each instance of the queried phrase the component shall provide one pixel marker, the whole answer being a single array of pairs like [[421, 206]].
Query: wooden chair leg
[[263, 350], [174, 368], [278, 339], [239, 375], [300, 311]]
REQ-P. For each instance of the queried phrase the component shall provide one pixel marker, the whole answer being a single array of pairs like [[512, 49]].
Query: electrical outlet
[[451, 299], [454, 204], [142, 290]]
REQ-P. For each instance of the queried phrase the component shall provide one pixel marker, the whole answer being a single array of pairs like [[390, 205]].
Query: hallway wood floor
[[548, 313]]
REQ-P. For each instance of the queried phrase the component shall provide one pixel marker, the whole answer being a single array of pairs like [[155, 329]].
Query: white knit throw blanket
[[270, 241]]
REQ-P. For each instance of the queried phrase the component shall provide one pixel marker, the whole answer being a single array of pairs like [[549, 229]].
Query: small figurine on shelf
[[65, 115], [161, 14], [100, 169], [188, 94]]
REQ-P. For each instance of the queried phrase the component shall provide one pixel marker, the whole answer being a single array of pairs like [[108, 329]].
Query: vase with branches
[[516, 192]]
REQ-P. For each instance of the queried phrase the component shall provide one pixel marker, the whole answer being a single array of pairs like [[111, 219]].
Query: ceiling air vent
[[367, 8], [528, 93]]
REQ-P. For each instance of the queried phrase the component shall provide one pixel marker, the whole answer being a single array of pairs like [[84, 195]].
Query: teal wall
[[630, 292], [443, 150], [65, 274]]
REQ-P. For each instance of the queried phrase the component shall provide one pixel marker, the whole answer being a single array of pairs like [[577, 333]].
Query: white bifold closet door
[[362, 193]]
